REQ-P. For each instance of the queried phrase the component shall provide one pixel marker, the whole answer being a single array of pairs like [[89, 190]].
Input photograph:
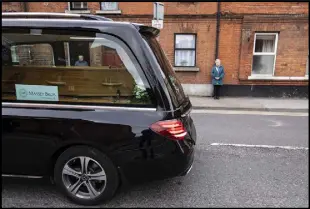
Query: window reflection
[[84, 69]]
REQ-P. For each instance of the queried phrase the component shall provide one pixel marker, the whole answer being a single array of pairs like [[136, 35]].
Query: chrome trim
[[189, 170], [22, 176], [187, 112], [83, 107], [27, 14]]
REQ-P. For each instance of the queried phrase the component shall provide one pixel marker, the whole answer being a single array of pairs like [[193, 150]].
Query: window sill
[[109, 12], [281, 78], [186, 69], [78, 11]]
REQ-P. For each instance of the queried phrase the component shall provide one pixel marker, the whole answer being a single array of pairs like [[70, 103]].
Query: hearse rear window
[[171, 80], [70, 68]]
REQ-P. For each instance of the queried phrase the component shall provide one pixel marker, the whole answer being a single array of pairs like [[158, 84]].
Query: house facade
[[263, 46]]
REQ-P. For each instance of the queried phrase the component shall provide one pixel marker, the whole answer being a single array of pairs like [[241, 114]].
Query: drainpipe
[[25, 7], [218, 17]]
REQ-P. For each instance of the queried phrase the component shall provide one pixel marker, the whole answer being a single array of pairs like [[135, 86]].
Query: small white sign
[[158, 11], [36, 92], [159, 24]]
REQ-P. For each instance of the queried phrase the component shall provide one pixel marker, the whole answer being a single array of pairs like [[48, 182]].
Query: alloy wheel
[[84, 177]]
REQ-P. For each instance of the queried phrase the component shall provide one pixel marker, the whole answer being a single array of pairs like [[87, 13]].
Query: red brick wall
[[47, 6], [205, 30], [292, 49], [265, 7], [134, 8], [12, 6], [229, 49], [185, 8], [205, 47], [137, 8]]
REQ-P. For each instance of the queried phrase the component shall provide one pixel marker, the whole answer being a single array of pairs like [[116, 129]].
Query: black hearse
[[90, 103]]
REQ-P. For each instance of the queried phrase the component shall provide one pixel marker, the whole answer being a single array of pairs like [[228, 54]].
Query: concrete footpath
[[250, 103]]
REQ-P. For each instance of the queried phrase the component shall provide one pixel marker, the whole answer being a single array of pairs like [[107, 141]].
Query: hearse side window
[[94, 69]]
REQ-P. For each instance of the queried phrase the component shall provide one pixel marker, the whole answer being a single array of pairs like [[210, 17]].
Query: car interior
[[49, 60]]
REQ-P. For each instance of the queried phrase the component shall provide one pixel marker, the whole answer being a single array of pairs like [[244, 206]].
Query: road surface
[[227, 172]]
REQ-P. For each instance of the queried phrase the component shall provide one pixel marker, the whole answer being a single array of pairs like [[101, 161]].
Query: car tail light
[[172, 129]]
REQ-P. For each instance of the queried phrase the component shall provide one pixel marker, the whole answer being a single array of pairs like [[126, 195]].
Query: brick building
[[263, 45]]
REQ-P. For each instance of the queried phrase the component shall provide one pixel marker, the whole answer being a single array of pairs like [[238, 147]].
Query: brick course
[[265, 7], [12, 6]]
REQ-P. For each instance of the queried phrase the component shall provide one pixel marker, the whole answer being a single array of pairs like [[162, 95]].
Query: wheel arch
[[61, 149]]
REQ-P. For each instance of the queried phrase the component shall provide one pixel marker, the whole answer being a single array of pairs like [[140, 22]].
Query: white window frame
[[265, 53], [102, 9], [15, 53], [158, 11], [82, 8], [185, 49]]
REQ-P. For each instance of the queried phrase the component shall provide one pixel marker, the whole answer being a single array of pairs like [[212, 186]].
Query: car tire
[[91, 180]]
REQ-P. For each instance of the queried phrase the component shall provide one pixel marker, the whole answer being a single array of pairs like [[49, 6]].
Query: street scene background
[[253, 144]]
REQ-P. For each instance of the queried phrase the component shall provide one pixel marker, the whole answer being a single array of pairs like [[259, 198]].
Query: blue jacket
[[219, 74], [79, 63]]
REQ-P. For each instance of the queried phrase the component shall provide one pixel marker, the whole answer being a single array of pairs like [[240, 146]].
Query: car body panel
[[33, 136]]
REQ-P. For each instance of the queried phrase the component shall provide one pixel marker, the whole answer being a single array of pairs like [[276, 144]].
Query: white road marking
[[260, 146], [239, 112], [275, 123]]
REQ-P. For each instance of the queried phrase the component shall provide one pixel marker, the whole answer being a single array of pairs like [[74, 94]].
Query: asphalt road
[[222, 176]]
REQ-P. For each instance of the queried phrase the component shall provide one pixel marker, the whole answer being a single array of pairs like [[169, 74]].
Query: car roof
[[130, 33], [81, 19], [52, 15]]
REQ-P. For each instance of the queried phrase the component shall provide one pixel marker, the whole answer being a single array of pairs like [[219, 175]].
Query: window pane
[[109, 6], [15, 57], [32, 55], [185, 41], [79, 5], [263, 64], [76, 5], [85, 70], [185, 58], [158, 11], [265, 43]]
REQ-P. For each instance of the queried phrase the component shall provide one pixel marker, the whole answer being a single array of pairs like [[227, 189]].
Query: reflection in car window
[[71, 69], [172, 82]]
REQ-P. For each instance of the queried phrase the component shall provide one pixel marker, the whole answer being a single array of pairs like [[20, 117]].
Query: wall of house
[[292, 49], [265, 7], [12, 6]]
